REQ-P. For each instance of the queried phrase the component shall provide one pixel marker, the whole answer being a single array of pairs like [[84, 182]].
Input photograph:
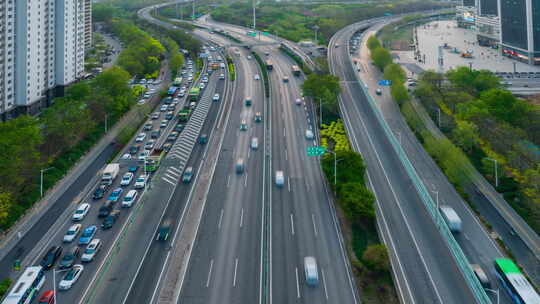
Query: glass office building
[[518, 40], [488, 7]]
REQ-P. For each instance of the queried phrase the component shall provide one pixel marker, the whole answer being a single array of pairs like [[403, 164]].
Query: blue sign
[[385, 82]]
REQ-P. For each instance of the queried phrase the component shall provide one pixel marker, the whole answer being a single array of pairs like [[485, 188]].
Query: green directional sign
[[252, 34], [316, 151], [265, 33]]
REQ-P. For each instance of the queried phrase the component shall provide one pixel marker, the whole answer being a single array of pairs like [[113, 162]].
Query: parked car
[[50, 258], [72, 233], [71, 277], [81, 212]]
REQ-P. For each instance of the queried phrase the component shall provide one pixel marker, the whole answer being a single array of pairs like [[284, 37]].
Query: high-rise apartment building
[[487, 7], [88, 24], [520, 29], [42, 44]]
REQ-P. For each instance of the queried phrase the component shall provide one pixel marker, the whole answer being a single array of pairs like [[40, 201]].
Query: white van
[[129, 199], [254, 143], [309, 134], [280, 178], [310, 268]]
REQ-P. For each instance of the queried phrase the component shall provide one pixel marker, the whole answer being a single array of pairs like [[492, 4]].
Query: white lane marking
[[289, 183], [324, 283], [220, 219], [292, 225], [314, 227], [241, 217], [228, 180], [235, 267], [168, 181], [284, 132], [297, 285], [173, 173], [249, 150], [170, 176], [175, 169], [286, 155], [245, 180], [210, 273]]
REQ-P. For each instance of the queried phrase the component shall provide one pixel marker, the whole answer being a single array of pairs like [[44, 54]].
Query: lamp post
[[496, 174], [439, 116], [320, 111], [316, 28], [106, 116], [495, 291], [41, 180]]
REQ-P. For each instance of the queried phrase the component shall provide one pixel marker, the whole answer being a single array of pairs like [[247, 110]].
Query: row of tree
[[323, 89], [488, 122], [392, 71], [299, 21]]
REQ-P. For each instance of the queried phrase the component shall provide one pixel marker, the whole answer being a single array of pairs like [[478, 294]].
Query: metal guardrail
[[454, 247]]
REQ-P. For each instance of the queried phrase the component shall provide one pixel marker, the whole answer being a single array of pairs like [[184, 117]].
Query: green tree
[[350, 168], [176, 62], [395, 73], [6, 203], [376, 258], [357, 202], [373, 42], [65, 123], [381, 57], [325, 87], [465, 135], [19, 152], [505, 107], [399, 93]]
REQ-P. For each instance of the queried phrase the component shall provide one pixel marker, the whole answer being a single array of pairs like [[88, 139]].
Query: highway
[[302, 221]]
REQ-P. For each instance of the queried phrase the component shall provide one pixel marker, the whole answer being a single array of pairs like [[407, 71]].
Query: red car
[[47, 297]]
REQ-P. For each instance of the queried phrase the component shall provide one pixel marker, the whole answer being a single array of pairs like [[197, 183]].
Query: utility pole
[[254, 15], [496, 173], [193, 10]]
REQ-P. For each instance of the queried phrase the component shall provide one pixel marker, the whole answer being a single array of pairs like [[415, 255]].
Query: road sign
[[385, 82], [316, 151], [265, 33], [252, 34]]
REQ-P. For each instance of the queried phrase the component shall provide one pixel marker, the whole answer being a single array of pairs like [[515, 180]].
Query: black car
[[100, 191], [163, 231], [109, 221], [69, 258], [155, 134], [106, 209], [134, 149], [51, 256]]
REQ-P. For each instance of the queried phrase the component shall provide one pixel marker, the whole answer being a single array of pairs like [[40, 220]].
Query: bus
[[296, 70], [27, 287], [177, 81], [172, 90], [269, 65], [515, 283], [194, 94]]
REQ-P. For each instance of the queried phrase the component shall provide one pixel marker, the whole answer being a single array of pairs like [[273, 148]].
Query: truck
[[194, 94], [214, 66], [110, 172], [183, 115], [451, 218]]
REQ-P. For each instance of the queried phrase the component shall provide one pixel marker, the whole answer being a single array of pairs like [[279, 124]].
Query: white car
[[140, 137], [163, 108], [205, 79], [257, 77], [129, 199], [309, 134], [126, 156], [182, 93], [155, 116], [216, 97], [140, 182], [126, 179], [81, 212], [249, 57], [91, 250], [298, 101], [72, 233], [71, 277], [221, 76], [202, 85]]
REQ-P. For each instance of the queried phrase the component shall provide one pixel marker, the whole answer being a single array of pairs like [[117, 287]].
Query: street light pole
[[41, 180], [54, 283], [106, 116], [439, 116], [320, 111], [254, 15], [496, 174]]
